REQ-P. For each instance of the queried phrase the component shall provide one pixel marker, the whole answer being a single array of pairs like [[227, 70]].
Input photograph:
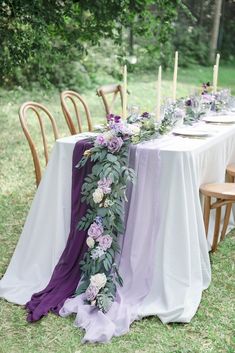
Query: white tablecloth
[[165, 203]]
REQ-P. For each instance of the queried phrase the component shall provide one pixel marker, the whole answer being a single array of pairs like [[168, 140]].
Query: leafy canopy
[[37, 34]]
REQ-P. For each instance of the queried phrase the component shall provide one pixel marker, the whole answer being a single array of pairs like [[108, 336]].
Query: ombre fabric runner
[[67, 273], [136, 259]]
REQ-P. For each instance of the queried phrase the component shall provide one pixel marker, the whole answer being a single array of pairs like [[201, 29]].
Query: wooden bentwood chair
[[39, 110], [231, 172], [224, 194], [75, 99], [114, 90]]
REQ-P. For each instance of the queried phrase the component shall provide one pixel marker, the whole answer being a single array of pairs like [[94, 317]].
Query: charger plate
[[190, 132], [220, 119]]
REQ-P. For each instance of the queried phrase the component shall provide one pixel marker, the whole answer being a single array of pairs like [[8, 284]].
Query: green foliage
[[104, 300], [43, 40], [65, 43]]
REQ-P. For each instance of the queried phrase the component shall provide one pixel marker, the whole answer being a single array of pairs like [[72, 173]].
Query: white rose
[[90, 242], [135, 129], [99, 280], [108, 135], [98, 195]]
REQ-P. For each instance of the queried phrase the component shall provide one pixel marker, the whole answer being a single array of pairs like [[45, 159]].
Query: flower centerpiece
[[199, 105]]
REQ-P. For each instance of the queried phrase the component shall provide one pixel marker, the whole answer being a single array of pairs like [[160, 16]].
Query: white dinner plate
[[220, 119], [190, 132]]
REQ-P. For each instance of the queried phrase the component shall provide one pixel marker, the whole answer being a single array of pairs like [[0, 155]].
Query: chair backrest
[[114, 90], [40, 112], [75, 99]]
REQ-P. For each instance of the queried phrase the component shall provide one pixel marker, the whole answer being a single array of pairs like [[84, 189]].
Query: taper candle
[[175, 75], [159, 84], [217, 70], [214, 79], [124, 108]]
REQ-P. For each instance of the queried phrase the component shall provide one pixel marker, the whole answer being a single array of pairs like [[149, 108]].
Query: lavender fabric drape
[[136, 258], [66, 275]]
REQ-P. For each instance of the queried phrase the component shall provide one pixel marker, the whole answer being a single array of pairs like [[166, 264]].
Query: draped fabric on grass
[[135, 261], [66, 275]]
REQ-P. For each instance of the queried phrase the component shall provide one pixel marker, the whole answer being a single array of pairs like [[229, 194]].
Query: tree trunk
[[215, 30], [131, 41]]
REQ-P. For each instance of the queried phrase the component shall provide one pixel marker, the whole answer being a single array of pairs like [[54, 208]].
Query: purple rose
[[100, 140], [115, 144], [104, 185], [105, 241], [110, 117], [146, 115], [117, 119], [95, 230], [188, 102], [91, 292], [113, 118]]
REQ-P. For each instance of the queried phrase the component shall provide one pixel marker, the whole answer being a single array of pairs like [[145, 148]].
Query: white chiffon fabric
[[164, 261]]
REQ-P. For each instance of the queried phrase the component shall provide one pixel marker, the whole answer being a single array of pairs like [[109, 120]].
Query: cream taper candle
[[175, 75], [159, 85], [124, 108], [214, 79], [217, 70]]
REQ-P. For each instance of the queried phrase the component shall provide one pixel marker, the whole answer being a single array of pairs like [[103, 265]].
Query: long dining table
[[164, 259]]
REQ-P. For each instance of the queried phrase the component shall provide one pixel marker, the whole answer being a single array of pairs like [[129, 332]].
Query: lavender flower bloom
[[146, 115], [115, 144], [104, 185], [100, 140], [99, 220], [105, 242], [113, 118], [110, 117], [120, 128], [91, 292], [95, 230], [97, 253], [207, 98], [117, 119]]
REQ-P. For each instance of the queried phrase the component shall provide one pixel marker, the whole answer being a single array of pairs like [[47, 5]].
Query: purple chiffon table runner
[[66, 274]]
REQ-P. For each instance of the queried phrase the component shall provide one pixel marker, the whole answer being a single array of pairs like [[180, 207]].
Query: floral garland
[[104, 190], [205, 102]]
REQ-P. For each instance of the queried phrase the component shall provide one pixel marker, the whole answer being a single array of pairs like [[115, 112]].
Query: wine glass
[[196, 105], [134, 110]]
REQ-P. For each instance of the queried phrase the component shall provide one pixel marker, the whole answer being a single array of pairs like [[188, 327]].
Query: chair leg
[[230, 178], [216, 230], [226, 220], [206, 216]]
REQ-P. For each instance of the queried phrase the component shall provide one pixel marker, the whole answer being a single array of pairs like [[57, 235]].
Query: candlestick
[[124, 108], [175, 75], [214, 79], [159, 84]]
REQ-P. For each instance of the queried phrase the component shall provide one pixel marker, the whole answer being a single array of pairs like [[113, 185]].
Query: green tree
[[38, 38]]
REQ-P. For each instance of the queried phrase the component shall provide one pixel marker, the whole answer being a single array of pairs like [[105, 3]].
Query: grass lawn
[[211, 330]]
